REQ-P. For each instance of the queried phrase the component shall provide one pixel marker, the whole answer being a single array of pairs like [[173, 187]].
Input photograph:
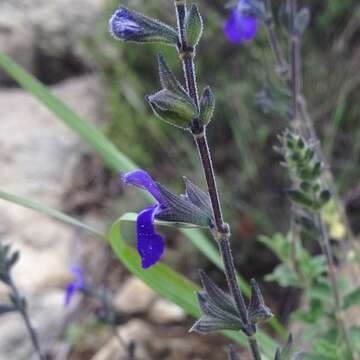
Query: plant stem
[[282, 66], [222, 230], [325, 241], [204, 152], [21, 307], [301, 105], [294, 65]]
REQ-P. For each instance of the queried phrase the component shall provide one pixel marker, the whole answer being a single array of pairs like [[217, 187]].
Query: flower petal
[[239, 28], [70, 291], [249, 27], [150, 245], [76, 270], [143, 180]]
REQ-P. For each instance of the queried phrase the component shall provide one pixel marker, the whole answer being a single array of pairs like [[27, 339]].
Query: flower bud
[[207, 106], [128, 25], [193, 26], [176, 109]]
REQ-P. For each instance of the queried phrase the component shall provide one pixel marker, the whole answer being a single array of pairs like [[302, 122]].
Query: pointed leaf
[[219, 297], [198, 197], [351, 299], [193, 26], [167, 78], [207, 106], [179, 209], [207, 324]]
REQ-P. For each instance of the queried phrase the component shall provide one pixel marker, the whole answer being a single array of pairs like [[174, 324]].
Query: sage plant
[[313, 185], [8, 260], [184, 108]]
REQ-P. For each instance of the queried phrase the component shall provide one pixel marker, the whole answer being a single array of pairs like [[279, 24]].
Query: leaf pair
[[173, 104]]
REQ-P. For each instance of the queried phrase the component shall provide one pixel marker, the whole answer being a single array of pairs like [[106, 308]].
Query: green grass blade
[[58, 215], [170, 284]]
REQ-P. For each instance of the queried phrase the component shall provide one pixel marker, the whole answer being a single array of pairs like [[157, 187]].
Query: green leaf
[[326, 348], [355, 338], [351, 299], [168, 283], [48, 211], [279, 244], [284, 275]]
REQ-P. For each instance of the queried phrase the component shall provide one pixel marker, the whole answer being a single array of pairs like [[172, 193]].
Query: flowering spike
[[193, 26], [170, 207], [207, 105], [129, 25]]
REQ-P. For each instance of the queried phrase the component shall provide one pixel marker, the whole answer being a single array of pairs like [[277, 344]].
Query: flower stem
[[222, 230], [282, 66], [325, 243], [21, 307], [295, 65]]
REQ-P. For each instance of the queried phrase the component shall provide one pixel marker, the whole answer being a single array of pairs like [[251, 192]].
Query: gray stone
[[134, 331], [38, 32], [165, 312], [35, 150], [133, 297]]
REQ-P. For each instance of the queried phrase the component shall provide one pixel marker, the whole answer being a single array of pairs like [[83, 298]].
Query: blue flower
[[78, 284], [150, 245], [129, 25], [193, 208], [242, 24]]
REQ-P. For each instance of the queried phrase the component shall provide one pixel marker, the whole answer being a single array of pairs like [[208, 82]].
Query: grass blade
[[58, 215]]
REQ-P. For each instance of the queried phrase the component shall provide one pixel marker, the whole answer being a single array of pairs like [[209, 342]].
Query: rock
[[47, 315], [133, 297], [135, 331], [47, 36], [164, 312], [35, 149]]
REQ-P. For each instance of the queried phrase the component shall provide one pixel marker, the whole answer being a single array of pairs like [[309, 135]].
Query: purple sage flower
[[78, 284], [150, 245], [241, 26], [190, 209]]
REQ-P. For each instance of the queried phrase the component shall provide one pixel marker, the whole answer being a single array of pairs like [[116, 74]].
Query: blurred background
[[66, 45]]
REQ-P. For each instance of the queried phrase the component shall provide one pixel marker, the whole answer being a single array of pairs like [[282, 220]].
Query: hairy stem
[[325, 242], [204, 152], [282, 66], [222, 230], [295, 65], [23, 312]]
